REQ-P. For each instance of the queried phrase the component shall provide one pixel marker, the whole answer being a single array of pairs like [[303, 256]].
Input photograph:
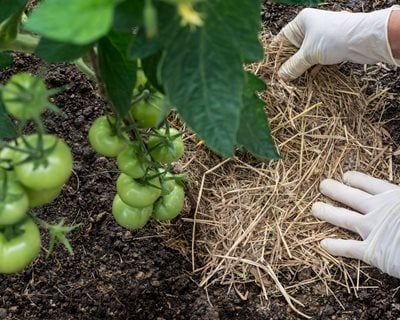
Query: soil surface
[[118, 274]]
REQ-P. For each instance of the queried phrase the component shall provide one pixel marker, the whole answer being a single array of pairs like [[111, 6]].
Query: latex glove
[[327, 37], [375, 217]]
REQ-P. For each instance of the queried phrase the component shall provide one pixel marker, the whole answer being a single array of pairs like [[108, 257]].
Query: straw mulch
[[250, 220]]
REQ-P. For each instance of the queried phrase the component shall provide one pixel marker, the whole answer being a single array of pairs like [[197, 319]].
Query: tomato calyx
[[57, 234], [14, 230]]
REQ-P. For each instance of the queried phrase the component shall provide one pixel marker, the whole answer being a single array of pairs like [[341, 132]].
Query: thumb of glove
[[294, 67]]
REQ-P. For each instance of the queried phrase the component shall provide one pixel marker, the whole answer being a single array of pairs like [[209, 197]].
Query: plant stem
[[23, 43], [82, 66]]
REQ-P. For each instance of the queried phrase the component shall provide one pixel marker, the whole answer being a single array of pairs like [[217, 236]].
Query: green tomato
[[137, 194], [7, 157], [103, 139], [169, 206], [147, 112], [25, 96], [130, 217], [167, 183], [52, 169], [130, 163], [19, 251], [14, 203], [41, 197], [166, 148]]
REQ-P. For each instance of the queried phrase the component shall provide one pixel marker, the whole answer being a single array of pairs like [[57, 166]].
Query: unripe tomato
[[25, 96], [147, 112], [136, 194], [14, 203], [129, 162], [19, 251], [130, 217], [166, 148], [103, 138], [170, 205], [41, 197], [51, 170]]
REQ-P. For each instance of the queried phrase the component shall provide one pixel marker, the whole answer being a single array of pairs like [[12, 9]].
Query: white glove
[[376, 219], [326, 37]]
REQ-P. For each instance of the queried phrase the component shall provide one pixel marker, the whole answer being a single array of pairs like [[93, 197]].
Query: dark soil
[[118, 274]]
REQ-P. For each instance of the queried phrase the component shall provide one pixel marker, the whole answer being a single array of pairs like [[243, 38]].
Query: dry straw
[[250, 220]]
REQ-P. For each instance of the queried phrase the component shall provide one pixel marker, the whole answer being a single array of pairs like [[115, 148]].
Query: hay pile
[[251, 219]]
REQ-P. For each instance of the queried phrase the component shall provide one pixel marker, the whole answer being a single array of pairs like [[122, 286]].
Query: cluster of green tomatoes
[[33, 170], [145, 147]]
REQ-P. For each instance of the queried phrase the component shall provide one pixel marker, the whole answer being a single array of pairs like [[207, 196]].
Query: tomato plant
[[166, 146], [170, 205], [130, 217], [44, 169], [184, 55], [19, 245], [103, 137], [138, 194]]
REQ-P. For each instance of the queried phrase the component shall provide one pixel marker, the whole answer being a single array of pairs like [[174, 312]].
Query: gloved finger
[[367, 183], [344, 248], [294, 31], [341, 217], [294, 67], [352, 197]]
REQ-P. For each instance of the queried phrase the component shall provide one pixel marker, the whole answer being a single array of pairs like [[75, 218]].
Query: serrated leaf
[[10, 7], [202, 69], [254, 133], [5, 59], [7, 128], [128, 14], [55, 51], [117, 70], [73, 21]]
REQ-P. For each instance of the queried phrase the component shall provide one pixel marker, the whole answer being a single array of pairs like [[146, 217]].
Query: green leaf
[[150, 68], [7, 128], [55, 51], [73, 21], [5, 59], [254, 133], [10, 7], [202, 69], [117, 70], [168, 26], [128, 14]]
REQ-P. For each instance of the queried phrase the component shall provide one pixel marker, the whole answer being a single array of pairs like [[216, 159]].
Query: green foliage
[[191, 51], [117, 69], [5, 59], [254, 133], [7, 128], [55, 51], [10, 7], [73, 21]]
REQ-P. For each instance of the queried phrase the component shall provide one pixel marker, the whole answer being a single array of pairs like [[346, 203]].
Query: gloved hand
[[376, 218], [326, 37]]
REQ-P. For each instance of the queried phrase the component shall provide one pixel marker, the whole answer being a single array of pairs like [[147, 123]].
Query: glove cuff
[[392, 59]]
